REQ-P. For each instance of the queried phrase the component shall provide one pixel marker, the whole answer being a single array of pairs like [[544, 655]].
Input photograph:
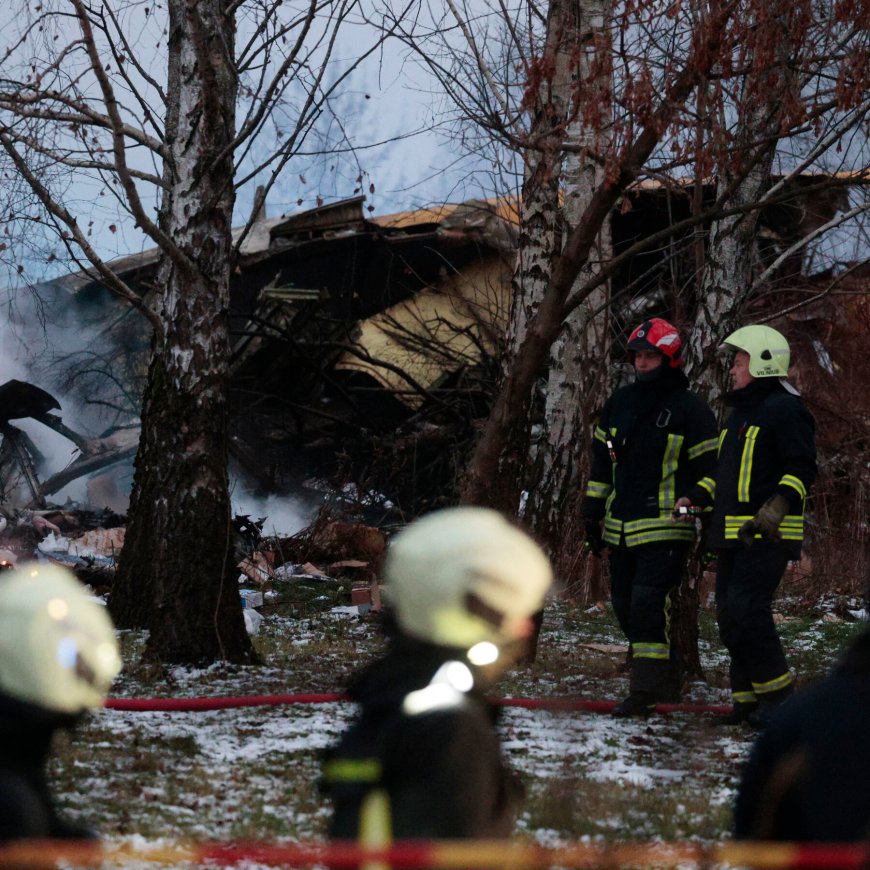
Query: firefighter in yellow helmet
[[422, 760], [58, 657], [766, 465]]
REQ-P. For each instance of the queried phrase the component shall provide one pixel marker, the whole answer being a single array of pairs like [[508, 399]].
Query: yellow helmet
[[769, 353], [461, 576], [57, 644]]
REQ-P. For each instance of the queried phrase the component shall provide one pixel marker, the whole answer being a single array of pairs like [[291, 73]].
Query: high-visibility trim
[[658, 651], [791, 528], [708, 484], [599, 434], [353, 770], [795, 483], [745, 475], [375, 826], [720, 441], [774, 685], [703, 447], [669, 469], [743, 697], [675, 534], [664, 521], [597, 489], [612, 527]]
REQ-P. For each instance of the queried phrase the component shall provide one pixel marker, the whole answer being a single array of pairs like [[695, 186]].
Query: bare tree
[[682, 78], [241, 86]]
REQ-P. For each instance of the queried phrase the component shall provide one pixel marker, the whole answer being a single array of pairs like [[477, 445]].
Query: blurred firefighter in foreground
[[423, 759], [767, 462], [808, 776], [654, 440], [58, 657]]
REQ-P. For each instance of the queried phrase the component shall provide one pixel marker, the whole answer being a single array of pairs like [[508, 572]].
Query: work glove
[[594, 543], [766, 521]]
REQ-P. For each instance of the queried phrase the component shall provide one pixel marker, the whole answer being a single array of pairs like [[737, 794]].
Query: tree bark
[[540, 232], [578, 369], [510, 410], [184, 589], [744, 175]]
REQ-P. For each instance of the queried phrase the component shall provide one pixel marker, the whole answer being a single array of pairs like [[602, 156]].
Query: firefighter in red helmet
[[654, 441]]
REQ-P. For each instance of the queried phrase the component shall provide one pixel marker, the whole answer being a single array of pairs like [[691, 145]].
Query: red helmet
[[658, 335]]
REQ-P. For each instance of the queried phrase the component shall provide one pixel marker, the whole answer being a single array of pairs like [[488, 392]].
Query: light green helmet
[[769, 353], [57, 643], [438, 561]]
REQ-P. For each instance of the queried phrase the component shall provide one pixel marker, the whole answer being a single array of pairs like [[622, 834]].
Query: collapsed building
[[364, 348]]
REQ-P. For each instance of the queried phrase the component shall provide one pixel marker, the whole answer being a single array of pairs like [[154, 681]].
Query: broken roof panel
[[411, 346]]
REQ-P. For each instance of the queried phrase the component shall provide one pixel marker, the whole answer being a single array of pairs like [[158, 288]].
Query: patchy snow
[[251, 773]]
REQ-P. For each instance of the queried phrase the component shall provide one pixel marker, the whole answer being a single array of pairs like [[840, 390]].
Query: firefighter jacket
[[422, 760], [26, 807], [654, 440], [766, 446], [808, 776]]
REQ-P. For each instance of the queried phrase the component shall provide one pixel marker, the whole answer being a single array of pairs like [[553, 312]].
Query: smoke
[[284, 514]]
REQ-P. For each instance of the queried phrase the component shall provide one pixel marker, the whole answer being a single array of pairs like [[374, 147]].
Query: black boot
[[768, 704], [636, 704], [740, 713]]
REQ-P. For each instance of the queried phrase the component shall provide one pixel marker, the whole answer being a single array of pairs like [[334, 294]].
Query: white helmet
[[57, 644], [465, 575]]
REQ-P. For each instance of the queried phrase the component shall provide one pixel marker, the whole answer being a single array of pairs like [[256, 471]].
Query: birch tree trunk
[[509, 412], [184, 590], [732, 257], [540, 233], [578, 370]]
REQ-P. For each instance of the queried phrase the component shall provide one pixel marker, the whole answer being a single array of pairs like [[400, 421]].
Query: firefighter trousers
[[643, 582], [746, 579]]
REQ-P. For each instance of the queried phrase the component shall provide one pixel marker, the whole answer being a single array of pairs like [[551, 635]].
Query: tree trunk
[[732, 259], [184, 589], [510, 410], [539, 235], [578, 371]]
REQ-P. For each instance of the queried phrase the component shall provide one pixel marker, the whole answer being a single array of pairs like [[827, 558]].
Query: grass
[[252, 773]]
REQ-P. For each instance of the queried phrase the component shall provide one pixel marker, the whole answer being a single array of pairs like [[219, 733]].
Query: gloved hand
[[766, 521], [594, 543]]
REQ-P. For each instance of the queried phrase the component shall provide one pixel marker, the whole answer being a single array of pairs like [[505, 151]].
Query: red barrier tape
[[198, 704], [447, 855]]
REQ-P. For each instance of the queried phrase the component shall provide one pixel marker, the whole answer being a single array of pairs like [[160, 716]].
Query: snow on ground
[[251, 773]]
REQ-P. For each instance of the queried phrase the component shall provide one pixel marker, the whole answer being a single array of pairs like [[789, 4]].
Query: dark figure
[[654, 440], [766, 465], [58, 657], [423, 759], [808, 776]]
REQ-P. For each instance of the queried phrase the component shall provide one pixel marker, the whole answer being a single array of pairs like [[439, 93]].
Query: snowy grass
[[252, 773]]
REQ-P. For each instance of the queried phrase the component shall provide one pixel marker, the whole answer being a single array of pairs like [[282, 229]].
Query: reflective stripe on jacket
[[766, 447], [654, 441]]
